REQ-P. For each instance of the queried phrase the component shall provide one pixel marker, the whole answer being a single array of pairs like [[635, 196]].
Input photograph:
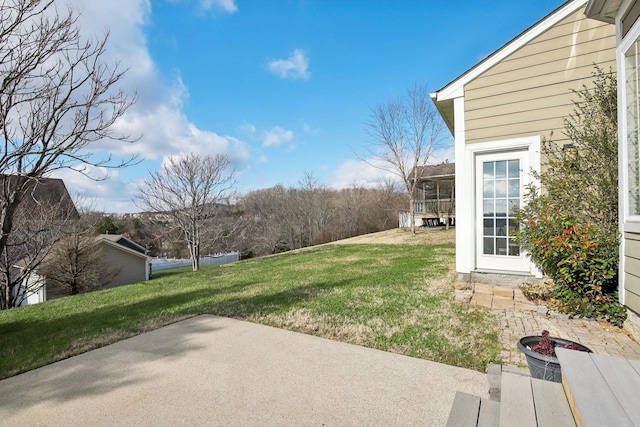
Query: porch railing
[[436, 208]]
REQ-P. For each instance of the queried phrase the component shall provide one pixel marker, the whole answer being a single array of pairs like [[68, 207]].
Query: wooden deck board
[[635, 364], [589, 395], [623, 380], [464, 411], [489, 413], [552, 407], [516, 405]]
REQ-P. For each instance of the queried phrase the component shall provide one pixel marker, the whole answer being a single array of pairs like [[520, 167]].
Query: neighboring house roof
[[47, 192], [444, 97], [435, 172], [117, 241], [123, 243]]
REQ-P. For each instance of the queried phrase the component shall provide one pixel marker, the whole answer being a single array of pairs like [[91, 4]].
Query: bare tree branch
[[195, 192], [57, 98], [405, 134]]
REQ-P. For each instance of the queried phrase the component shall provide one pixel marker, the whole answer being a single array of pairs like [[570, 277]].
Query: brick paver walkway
[[518, 317]]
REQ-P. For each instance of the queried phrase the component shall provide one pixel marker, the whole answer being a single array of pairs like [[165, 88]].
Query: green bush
[[571, 230], [580, 257]]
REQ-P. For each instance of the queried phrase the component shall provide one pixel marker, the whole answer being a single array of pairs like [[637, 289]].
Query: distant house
[[44, 208], [434, 196], [625, 15], [498, 112], [49, 196], [128, 258]]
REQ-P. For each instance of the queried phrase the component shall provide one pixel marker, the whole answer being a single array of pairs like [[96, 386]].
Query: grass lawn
[[393, 297]]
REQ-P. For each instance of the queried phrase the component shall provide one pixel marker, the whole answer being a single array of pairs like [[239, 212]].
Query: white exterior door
[[500, 181]]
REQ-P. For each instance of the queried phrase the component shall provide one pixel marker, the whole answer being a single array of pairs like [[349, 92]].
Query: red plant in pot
[[547, 346]]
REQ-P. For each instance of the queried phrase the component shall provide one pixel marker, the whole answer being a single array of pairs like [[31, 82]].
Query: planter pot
[[541, 366]]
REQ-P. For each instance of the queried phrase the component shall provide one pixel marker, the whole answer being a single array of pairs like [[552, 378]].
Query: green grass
[[396, 298]]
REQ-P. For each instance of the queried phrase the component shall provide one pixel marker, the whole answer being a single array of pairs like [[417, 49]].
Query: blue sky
[[282, 86]]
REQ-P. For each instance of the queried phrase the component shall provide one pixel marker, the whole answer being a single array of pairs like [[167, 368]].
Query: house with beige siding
[[498, 112], [126, 260], [623, 17], [128, 257]]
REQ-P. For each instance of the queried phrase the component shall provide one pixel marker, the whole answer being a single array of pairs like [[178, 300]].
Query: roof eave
[[122, 248], [445, 108], [455, 88], [603, 10]]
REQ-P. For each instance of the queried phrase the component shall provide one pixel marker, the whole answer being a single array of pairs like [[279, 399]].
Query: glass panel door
[[499, 188], [501, 194]]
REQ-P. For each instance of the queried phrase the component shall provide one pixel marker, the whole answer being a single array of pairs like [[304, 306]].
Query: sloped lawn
[[396, 298]]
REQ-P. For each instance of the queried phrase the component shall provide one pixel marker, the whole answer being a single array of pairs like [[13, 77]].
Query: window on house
[[433, 190], [632, 87]]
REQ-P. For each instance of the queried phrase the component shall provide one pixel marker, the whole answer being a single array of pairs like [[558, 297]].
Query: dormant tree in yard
[[76, 264], [195, 191], [57, 98], [405, 134], [45, 215]]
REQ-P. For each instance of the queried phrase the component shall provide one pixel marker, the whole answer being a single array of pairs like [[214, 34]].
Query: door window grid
[[501, 194]]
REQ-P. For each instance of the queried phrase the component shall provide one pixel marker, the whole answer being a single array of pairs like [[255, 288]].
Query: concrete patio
[[217, 371]]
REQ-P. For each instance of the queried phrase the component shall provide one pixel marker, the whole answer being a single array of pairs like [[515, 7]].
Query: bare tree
[[265, 214], [195, 191], [279, 219], [314, 198], [45, 215], [77, 264], [57, 97], [405, 134]]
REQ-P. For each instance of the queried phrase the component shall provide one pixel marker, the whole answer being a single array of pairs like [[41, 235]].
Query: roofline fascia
[[434, 99], [594, 11], [123, 248], [455, 89], [122, 236]]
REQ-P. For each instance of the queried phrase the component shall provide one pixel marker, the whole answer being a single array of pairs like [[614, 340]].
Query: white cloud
[[294, 67], [444, 154], [247, 129], [309, 130], [115, 194], [365, 173], [227, 5], [157, 117], [276, 136], [360, 173]]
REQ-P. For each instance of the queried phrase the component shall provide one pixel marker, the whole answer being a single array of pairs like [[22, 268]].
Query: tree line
[[265, 221]]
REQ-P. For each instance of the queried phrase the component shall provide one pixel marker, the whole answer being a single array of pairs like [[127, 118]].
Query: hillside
[[397, 236]]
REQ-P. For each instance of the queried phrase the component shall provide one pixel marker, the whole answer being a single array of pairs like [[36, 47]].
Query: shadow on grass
[[48, 340], [91, 374]]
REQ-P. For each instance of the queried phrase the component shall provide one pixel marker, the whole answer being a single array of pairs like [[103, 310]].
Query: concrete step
[[602, 390]]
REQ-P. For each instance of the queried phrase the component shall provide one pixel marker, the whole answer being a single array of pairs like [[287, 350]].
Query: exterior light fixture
[[570, 152]]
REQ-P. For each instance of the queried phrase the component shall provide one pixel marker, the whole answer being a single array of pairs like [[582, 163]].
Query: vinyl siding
[[632, 271], [529, 92], [131, 268]]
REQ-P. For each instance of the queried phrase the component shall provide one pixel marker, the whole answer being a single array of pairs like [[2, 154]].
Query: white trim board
[[455, 88]]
